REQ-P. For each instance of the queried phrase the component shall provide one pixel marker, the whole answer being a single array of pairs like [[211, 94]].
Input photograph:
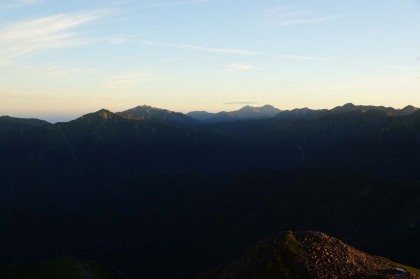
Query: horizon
[[61, 60], [57, 119]]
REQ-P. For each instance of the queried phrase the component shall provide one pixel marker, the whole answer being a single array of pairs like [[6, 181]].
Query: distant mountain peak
[[246, 112], [250, 112], [8, 123], [410, 107], [407, 110], [104, 113], [145, 112], [269, 106]]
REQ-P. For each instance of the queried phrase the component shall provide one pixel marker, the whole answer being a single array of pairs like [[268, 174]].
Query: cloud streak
[[232, 51], [19, 4], [307, 20], [56, 70], [162, 4], [222, 50], [285, 16], [51, 32], [302, 58]]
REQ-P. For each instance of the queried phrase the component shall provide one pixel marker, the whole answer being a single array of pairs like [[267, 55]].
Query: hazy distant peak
[[268, 107], [8, 123], [146, 112], [409, 107], [8, 117], [144, 108], [407, 110], [256, 112], [246, 112]]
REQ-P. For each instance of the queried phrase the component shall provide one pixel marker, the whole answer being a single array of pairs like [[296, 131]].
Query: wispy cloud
[[126, 80], [157, 4], [19, 4], [29, 2], [31, 36], [236, 67], [222, 50], [307, 20], [302, 58], [56, 70], [286, 16], [233, 51]]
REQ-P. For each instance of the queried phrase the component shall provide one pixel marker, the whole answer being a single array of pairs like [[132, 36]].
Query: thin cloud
[[31, 36], [20, 4], [157, 4], [302, 58], [239, 68], [56, 70], [285, 16], [222, 50], [127, 80], [233, 51], [307, 21], [30, 2]]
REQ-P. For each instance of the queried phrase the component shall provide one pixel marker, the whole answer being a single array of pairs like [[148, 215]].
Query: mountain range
[[268, 111], [247, 112], [150, 113], [145, 112], [157, 194]]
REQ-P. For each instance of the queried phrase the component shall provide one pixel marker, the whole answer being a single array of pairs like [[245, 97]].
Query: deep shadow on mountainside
[[373, 141], [307, 255], [62, 268], [155, 200]]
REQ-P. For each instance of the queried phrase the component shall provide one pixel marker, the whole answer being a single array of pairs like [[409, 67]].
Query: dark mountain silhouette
[[372, 141], [70, 268], [407, 110], [349, 107], [306, 113], [8, 123], [222, 116], [201, 115], [157, 200], [247, 112], [267, 111], [163, 115], [308, 255]]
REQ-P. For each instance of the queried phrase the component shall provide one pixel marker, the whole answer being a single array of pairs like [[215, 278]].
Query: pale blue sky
[[60, 59]]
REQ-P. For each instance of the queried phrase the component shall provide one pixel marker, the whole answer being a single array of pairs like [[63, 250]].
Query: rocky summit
[[308, 255]]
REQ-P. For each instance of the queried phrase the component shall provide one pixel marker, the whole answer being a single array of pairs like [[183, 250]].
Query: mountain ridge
[[146, 112], [307, 254], [246, 112]]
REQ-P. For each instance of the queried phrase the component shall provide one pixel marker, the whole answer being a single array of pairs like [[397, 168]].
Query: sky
[[61, 59]]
